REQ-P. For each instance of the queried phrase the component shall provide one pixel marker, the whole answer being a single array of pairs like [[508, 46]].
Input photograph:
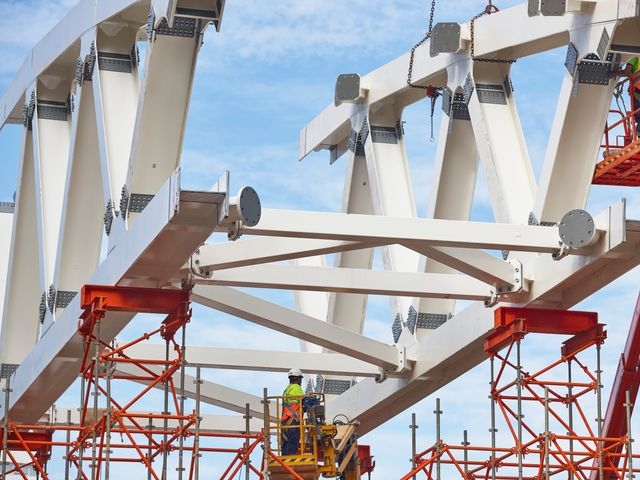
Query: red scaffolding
[[556, 437], [114, 425]]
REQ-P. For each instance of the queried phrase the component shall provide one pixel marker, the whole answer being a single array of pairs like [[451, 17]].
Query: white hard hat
[[295, 372]]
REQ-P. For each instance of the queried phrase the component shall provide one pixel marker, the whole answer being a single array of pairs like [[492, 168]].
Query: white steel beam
[[51, 157], [20, 320], [314, 304], [6, 226], [501, 144], [576, 134], [209, 423], [347, 310], [162, 110], [219, 256], [262, 360], [173, 222], [434, 232], [210, 393], [115, 93], [391, 188], [454, 180], [475, 263], [353, 280], [81, 227], [284, 320]]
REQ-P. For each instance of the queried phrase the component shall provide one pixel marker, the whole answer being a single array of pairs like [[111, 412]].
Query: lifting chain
[[432, 92], [488, 10], [413, 50]]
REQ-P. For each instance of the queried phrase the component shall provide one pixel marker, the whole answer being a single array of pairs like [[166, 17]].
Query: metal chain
[[432, 92], [488, 10], [413, 50]]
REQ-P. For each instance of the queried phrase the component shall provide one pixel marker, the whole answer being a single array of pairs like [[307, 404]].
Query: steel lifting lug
[[381, 377], [562, 252], [194, 266], [491, 301]]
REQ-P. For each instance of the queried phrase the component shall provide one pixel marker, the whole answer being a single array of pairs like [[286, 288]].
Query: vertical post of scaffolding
[[547, 472], [628, 406], [570, 401], [183, 365], [599, 409], [5, 425], [413, 427], [465, 444], [247, 424], [267, 434], [196, 439], [165, 412], [107, 378], [493, 429], [438, 412], [83, 389], [519, 399], [149, 450], [67, 461], [96, 397]]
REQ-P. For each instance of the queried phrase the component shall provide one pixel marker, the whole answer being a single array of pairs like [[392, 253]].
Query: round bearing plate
[[577, 228], [250, 207]]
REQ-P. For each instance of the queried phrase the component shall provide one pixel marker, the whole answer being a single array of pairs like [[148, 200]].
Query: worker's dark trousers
[[290, 437]]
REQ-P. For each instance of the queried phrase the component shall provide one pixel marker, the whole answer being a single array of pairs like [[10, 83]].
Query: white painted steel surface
[[123, 131]]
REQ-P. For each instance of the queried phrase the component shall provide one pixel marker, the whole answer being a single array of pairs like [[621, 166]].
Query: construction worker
[[631, 71], [291, 413]]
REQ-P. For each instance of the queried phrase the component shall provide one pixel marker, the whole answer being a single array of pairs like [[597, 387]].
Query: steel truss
[[100, 174], [546, 415]]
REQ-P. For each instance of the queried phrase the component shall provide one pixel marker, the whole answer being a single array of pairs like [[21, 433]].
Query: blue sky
[[269, 71]]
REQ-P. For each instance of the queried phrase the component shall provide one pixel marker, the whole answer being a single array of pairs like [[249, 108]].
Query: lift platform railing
[[620, 147]]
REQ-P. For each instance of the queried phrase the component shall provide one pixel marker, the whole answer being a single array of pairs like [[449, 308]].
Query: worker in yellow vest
[[291, 413], [631, 70]]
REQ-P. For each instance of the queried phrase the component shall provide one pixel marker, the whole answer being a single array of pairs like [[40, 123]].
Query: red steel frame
[[92, 450], [566, 445]]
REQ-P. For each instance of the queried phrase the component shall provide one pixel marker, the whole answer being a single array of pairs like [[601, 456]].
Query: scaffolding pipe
[[570, 414], [67, 462], [519, 397], [96, 396], [83, 388], [493, 429], [196, 439], [465, 444], [413, 427], [547, 471], [183, 362], [149, 450], [599, 410], [107, 377], [267, 434], [165, 412], [247, 423], [628, 409], [438, 412], [5, 425]]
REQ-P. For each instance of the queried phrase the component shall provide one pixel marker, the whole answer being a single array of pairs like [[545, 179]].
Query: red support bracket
[[513, 323], [96, 300]]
